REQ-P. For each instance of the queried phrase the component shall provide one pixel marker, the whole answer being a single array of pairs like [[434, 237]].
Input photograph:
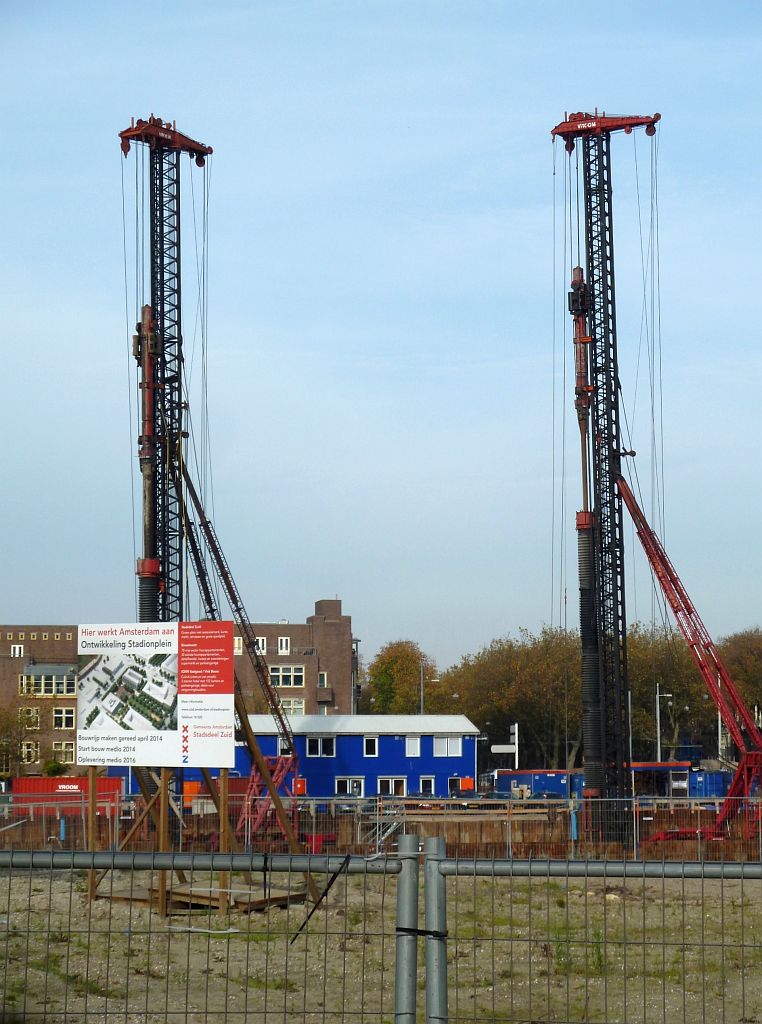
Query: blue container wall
[[392, 761], [708, 784], [537, 782], [321, 772]]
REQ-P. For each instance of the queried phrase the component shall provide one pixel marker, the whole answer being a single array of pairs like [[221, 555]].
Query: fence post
[[406, 967], [435, 924]]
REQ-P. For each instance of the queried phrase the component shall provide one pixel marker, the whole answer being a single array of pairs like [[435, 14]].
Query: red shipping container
[[66, 794]]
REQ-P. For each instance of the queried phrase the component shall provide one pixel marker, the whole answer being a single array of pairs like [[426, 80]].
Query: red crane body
[[736, 717], [581, 123], [154, 132]]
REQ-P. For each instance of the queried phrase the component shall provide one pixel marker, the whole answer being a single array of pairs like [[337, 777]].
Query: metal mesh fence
[[604, 942], [503, 940], [235, 946]]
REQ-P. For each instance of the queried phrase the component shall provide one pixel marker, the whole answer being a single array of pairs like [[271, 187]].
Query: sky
[[388, 413]]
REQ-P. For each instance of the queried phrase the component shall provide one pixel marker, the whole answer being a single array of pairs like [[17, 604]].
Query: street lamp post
[[421, 695], [659, 695]]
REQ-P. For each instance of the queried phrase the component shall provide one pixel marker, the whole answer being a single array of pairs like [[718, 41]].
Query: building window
[[322, 709], [287, 675], [63, 718], [48, 685], [21, 636], [9, 636], [32, 636], [260, 643], [350, 785], [321, 746], [322, 680], [44, 636], [30, 752], [447, 746], [370, 746], [412, 746], [56, 636], [68, 636], [426, 785], [392, 786], [5, 758], [63, 751], [17, 650], [29, 718], [293, 706], [237, 645], [284, 645]]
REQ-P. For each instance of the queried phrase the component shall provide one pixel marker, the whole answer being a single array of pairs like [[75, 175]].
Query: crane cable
[[650, 329], [129, 383]]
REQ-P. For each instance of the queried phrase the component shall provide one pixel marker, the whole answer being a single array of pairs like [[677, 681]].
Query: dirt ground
[[517, 950]]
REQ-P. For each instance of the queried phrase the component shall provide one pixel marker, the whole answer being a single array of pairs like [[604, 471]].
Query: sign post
[[509, 748]]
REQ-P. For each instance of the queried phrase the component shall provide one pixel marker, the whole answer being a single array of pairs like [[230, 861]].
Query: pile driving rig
[[173, 516], [599, 528], [603, 627]]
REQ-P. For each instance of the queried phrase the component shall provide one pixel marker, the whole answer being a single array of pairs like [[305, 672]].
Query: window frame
[[350, 779], [65, 713], [294, 672], [29, 718], [392, 779], [284, 645], [295, 712], [449, 741], [413, 740], [318, 743], [64, 747], [30, 747], [365, 741]]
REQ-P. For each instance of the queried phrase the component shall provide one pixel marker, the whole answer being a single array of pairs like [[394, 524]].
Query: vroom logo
[[67, 786]]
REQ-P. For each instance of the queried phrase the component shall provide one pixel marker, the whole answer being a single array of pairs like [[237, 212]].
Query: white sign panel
[[156, 694]]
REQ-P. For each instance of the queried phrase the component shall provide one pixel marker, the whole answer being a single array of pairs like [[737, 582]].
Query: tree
[[17, 724], [393, 680], [533, 680], [659, 654]]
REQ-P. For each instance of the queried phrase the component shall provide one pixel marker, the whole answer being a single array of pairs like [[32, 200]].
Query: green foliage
[[54, 768], [393, 680], [534, 679]]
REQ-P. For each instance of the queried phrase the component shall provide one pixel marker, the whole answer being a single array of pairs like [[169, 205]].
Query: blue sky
[[381, 300]]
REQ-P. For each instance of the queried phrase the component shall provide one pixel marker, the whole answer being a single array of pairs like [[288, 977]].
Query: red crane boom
[[736, 717]]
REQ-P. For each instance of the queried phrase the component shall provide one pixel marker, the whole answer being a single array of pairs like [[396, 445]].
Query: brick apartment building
[[313, 666]]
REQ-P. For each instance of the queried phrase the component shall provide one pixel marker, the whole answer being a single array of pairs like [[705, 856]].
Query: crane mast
[[592, 303], [169, 524], [158, 350]]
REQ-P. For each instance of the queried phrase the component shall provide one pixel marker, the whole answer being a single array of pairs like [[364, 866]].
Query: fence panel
[[604, 942], [236, 946]]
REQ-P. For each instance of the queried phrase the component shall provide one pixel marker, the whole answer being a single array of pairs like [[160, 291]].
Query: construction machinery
[[736, 717], [599, 522], [174, 520], [603, 627]]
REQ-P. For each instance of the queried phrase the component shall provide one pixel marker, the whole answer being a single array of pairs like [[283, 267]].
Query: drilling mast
[[603, 626], [159, 353], [168, 523]]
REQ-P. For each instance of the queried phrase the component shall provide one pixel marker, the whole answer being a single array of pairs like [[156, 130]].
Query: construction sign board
[[156, 694]]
